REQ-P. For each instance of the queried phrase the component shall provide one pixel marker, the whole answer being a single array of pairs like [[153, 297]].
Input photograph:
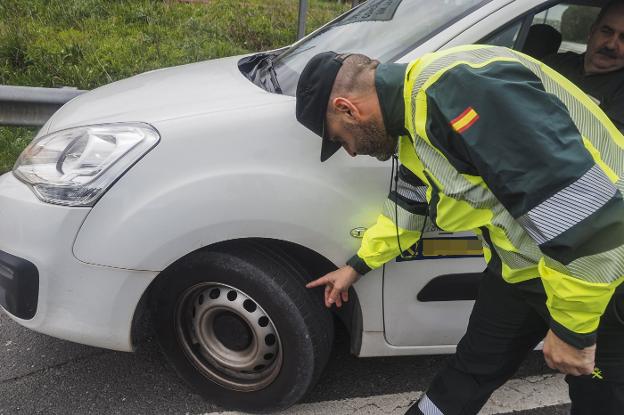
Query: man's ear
[[344, 107]]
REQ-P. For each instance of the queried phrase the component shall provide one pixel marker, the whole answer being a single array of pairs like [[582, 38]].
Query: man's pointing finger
[[317, 282]]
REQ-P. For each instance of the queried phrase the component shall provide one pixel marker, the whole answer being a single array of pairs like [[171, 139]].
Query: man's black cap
[[313, 91]]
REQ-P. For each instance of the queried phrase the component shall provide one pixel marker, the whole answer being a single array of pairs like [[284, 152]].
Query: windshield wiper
[[268, 65], [257, 68]]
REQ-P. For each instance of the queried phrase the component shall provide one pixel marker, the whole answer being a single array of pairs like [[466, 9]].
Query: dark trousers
[[507, 322]]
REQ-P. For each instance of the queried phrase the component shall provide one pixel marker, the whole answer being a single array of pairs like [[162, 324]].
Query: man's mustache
[[607, 52]]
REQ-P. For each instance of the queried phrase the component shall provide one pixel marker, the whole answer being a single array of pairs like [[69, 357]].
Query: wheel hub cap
[[232, 331], [228, 337]]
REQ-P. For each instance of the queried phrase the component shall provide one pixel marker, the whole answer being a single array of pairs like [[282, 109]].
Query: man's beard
[[372, 140]]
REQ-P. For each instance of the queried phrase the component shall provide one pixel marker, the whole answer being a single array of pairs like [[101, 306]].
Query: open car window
[[562, 27], [573, 22]]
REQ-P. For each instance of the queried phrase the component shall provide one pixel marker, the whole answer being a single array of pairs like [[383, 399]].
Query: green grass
[[12, 142], [88, 43]]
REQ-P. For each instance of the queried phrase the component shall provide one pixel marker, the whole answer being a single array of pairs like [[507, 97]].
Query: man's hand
[[567, 359], [337, 285]]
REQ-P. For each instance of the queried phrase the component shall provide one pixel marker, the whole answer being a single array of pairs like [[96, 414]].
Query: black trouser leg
[[603, 392], [593, 396], [502, 330]]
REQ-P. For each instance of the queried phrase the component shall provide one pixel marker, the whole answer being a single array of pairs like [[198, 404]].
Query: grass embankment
[[88, 43]]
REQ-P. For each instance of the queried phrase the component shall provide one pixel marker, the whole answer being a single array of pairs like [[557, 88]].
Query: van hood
[[163, 94]]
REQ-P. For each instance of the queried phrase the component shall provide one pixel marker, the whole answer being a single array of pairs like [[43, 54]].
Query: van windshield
[[382, 29]]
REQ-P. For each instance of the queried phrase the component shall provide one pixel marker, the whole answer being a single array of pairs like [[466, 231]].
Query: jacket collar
[[389, 81]]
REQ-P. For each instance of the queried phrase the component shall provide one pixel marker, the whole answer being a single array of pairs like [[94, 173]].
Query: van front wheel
[[241, 328]]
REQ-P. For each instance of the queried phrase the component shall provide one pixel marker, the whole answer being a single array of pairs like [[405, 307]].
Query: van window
[[504, 37], [382, 29], [573, 22]]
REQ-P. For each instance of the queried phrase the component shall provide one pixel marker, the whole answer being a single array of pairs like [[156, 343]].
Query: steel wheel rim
[[202, 315]]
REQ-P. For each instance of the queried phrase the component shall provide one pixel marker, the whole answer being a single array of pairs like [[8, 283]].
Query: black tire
[[302, 328]]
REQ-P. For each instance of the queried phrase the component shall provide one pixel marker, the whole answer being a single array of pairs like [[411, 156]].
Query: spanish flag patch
[[465, 120]]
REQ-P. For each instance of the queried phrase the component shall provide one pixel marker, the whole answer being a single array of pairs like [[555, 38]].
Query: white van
[[193, 193]]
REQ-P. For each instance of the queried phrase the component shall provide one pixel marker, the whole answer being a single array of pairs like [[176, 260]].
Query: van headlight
[[74, 167]]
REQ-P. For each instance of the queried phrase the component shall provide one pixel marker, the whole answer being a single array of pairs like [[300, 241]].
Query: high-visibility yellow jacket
[[500, 144]]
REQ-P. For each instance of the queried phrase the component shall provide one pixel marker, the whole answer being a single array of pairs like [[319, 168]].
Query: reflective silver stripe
[[413, 193], [408, 221], [569, 206], [427, 407]]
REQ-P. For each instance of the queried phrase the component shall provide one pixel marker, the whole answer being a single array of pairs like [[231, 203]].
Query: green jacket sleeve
[[521, 140]]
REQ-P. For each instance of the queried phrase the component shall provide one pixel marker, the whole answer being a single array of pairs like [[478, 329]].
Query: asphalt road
[[40, 374]]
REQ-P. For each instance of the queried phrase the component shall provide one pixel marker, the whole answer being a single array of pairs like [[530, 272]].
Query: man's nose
[[612, 43]]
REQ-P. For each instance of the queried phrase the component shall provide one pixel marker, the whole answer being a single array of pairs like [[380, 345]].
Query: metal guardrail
[[22, 106], [31, 106]]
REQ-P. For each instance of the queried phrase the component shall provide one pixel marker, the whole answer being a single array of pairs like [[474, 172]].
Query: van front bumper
[[45, 288]]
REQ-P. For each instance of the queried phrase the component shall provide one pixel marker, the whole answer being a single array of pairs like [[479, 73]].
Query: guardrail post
[[303, 11]]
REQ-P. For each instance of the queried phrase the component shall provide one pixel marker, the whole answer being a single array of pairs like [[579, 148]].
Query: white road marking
[[516, 395]]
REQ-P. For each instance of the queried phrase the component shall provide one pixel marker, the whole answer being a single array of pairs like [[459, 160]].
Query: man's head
[[336, 99], [605, 47]]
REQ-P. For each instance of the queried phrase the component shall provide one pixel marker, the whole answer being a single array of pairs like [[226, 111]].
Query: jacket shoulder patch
[[465, 120]]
